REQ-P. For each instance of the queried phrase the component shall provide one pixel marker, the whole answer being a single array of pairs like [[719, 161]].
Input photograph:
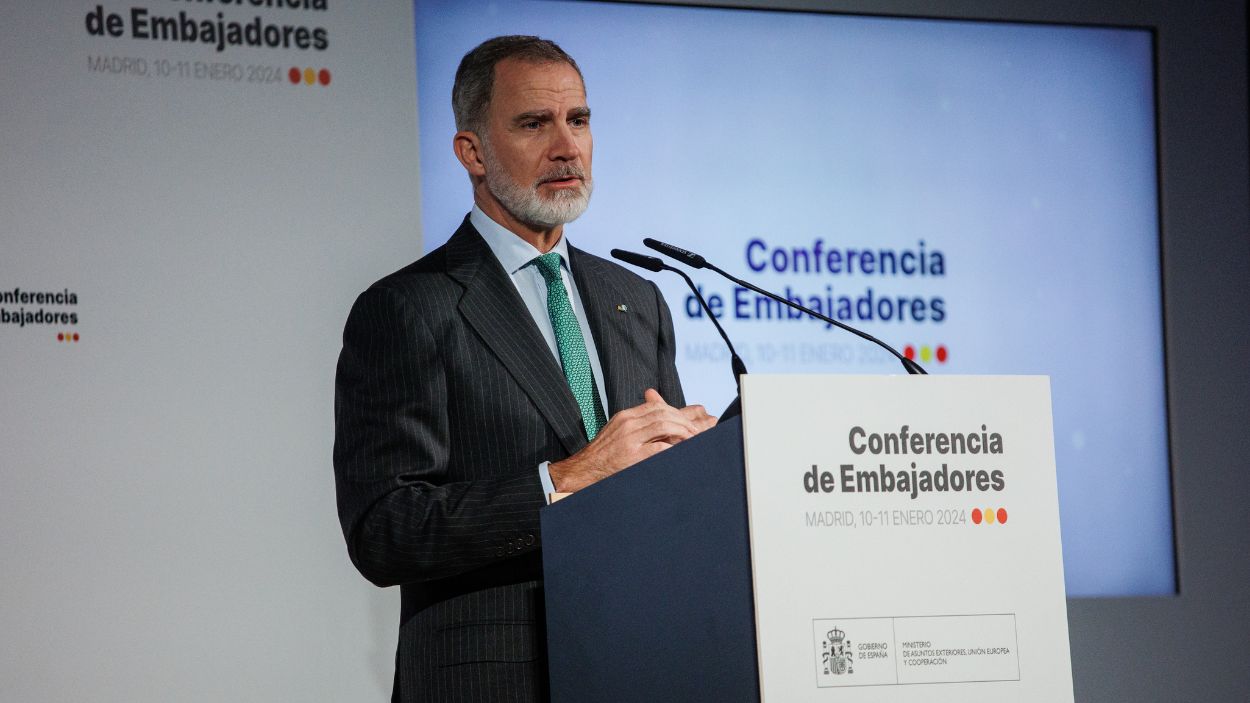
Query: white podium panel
[[905, 539]]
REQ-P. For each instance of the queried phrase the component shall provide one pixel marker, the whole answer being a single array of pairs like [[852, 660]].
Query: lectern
[[648, 580], [850, 538]]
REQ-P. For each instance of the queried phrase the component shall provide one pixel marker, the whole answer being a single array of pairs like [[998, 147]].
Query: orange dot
[[989, 516], [310, 76], [976, 516], [323, 76], [1002, 515]]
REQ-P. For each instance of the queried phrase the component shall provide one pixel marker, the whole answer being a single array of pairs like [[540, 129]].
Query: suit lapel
[[494, 309], [610, 328]]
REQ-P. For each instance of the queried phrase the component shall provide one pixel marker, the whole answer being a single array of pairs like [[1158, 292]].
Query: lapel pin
[[622, 307]]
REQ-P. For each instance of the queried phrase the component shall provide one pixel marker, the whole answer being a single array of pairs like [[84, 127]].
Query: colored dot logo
[[989, 516], [70, 337], [926, 352], [308, 76]]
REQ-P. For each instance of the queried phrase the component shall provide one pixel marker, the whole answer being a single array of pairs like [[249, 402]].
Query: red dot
[[1002, 515], [941, 353], [75, 336], [60, 336], [324, 76], [295, 75], [976, 516], [910, 352]]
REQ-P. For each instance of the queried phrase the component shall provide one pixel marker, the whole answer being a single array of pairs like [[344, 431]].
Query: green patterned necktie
[[573, 356]]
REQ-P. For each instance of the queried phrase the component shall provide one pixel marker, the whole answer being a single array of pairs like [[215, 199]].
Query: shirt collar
[[512, 251]]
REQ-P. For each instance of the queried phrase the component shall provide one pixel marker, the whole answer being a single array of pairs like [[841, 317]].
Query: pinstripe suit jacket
[[447, 399]]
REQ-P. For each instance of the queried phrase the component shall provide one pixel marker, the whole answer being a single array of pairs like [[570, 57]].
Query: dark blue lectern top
[[648, 580]]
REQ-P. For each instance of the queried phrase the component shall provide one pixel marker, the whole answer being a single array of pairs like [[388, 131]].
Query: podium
[[850, 538], [648, 580]]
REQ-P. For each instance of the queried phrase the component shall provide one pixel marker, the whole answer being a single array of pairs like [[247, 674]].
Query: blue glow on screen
[[1021, 156]]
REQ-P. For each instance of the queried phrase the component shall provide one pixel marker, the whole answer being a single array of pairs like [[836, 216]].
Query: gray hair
[[475, 78]]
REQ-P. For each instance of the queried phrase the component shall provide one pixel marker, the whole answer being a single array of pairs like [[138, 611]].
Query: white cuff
[[544, 475]]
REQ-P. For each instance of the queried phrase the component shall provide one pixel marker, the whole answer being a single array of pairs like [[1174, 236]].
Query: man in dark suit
[[479, 379]]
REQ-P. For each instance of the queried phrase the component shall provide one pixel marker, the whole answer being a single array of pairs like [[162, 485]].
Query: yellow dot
[[310, 76], [989, 516], [926, 353]]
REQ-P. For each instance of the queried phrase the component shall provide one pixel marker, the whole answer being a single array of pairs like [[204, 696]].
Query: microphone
[[693, 260], [649, 263], [652, 263], [688, 258]]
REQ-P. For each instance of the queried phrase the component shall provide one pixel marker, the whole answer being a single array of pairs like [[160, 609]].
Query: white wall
[[166, 490]]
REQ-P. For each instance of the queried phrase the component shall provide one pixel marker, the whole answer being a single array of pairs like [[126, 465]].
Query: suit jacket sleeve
[[404, 521]]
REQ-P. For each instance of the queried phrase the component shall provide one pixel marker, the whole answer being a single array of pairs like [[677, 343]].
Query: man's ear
[[468, 148]]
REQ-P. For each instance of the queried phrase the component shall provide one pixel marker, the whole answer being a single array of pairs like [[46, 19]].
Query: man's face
[[537, 145]]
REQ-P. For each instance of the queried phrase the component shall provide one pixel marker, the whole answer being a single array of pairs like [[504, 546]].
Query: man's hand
[[629, 437]]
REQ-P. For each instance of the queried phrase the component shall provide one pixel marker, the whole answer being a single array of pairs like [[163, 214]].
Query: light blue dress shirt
[[515, 255]]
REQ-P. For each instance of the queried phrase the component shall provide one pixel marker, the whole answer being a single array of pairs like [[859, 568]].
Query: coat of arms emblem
[[837, 657]]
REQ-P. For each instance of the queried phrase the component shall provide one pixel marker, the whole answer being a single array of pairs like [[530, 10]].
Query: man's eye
[[532, 124], [579, 121]]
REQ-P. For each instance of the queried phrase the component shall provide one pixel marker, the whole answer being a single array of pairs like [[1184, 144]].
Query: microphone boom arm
[[911, 366], [694, 260], [739, 368]]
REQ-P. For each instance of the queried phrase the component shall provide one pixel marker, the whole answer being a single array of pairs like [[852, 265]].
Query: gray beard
[[527, 205]]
